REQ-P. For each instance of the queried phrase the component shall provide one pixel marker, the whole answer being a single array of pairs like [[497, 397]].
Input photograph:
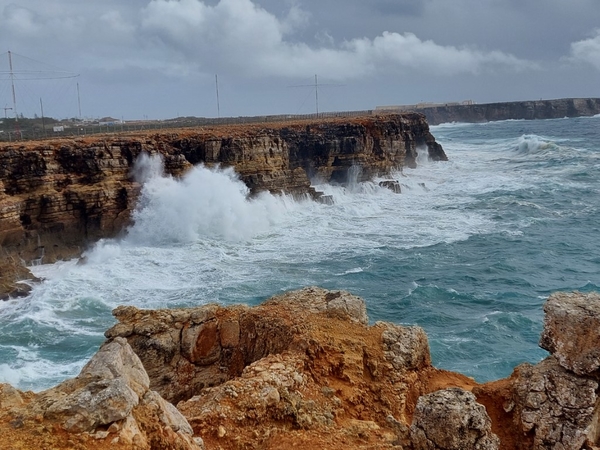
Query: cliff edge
[[57, 196], [306, 369], [489, 112]]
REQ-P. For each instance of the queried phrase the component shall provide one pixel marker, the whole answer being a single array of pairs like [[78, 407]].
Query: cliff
[[488, 112], [306, 369], [55, 196]]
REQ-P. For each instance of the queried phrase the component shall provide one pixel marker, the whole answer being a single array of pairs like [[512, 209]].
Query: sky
[[161, 59]]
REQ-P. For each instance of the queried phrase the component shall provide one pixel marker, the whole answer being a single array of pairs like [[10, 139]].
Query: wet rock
[[392, 185], [451, 419], [326, 199], [572, 330]]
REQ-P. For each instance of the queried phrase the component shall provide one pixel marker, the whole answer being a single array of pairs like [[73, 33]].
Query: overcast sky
[[159, 58]]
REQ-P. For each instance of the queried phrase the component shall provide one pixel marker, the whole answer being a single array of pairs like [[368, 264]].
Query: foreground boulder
[[572, 331], [108, 403], [451, 419], [301, 367]]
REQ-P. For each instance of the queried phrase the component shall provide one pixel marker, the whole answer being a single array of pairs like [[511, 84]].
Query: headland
[[469, 112], [58, 196]]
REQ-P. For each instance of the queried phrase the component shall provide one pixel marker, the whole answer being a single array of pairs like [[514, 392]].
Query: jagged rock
[[9, 396], [106, 390], [572, 330], [451, 419], [305, 361], [556, 406], [407, 348], [109, 400], [340, 304], [184, 351], [392, 185], [12, 271]]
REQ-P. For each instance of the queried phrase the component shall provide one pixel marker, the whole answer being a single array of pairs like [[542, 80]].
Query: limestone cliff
[[488, 112], [55, 196]]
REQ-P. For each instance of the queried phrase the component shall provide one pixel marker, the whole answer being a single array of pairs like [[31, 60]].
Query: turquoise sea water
[[469, 251]]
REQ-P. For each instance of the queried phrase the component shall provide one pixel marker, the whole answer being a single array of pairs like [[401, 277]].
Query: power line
[[316, 87]]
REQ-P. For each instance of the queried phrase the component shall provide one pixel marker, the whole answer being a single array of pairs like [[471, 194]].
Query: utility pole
[[316, 87], [14, 96], [43, 121], [78, 101], [317, 94], [217, 88]]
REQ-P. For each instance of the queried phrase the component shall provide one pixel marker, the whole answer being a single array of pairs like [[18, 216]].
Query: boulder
[[340, 304], [392, 185], [572, 330], [556, 406], [407, 348], [451, 419], [186, 350], [111, 399]]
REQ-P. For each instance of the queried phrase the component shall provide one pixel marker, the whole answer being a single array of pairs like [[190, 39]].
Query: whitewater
[[469, 251]]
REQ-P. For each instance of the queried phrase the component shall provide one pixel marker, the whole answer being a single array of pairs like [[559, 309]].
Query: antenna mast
[[217, 87], [14, 96], [317, 94], [78, 101]]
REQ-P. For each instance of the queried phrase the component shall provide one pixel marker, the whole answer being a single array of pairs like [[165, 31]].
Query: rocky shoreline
[[58, 196], [306, 369]]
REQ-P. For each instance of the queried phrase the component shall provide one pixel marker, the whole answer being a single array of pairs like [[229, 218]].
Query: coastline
[[305, 368], [491, 112], [59, 196]]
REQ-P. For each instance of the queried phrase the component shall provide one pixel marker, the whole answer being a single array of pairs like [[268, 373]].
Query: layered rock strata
[[58, 196]]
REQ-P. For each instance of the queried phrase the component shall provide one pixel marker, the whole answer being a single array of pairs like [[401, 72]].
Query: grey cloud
[[386, 51]]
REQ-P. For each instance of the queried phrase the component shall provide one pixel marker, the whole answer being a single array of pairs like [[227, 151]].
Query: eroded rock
[[109, 400], [451, 419], [572, 330], [556, 406]]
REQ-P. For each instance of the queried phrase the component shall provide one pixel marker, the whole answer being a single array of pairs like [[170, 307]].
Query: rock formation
[[306, 369], [108, 405], [451, 419], [58, 196], [553, 404], [488, 112]]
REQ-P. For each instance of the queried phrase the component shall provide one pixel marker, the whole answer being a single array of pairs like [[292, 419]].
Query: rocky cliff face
[[306, 369], [57, 195], [528, 110]]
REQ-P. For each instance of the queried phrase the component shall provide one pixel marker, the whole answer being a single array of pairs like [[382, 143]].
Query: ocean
[[470, 250]]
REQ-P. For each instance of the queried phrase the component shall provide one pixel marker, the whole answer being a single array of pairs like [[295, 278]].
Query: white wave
[[37, 373], [204, 203], [532, 144], [351, 271]]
